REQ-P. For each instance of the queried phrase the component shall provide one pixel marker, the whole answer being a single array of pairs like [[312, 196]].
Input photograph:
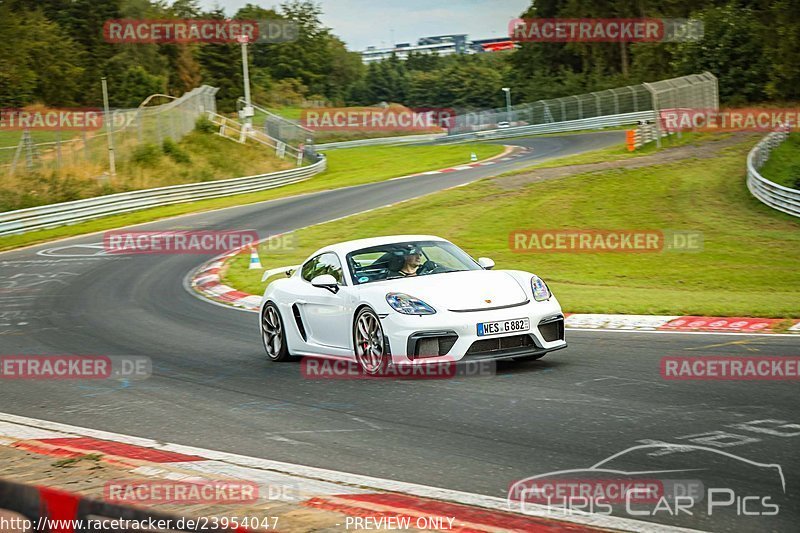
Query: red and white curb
[[350, 494], [510, 153], [206, 281], [676, 323]]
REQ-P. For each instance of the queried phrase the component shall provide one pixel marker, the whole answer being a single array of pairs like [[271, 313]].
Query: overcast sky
[[361, 23]]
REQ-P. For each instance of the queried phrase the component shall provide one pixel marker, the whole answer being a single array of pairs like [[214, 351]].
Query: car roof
[[343, 248]]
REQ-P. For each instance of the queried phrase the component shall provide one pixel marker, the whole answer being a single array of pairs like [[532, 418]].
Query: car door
[[326, 316]]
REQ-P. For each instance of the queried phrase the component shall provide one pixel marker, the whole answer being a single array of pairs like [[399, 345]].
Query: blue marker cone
[[255, 262]]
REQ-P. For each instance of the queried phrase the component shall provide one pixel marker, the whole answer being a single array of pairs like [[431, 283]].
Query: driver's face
[[414, 260]]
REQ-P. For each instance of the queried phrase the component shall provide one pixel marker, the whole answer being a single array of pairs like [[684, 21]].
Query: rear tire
[[369, 343], [273, 334]]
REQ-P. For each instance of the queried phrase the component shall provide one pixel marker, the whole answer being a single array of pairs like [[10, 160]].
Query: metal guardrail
[[606, 121], [774, 195], [66, 213], [503, 133], [400, 139]]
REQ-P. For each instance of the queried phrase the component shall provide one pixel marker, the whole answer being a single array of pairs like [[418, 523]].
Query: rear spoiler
[[288, 270]]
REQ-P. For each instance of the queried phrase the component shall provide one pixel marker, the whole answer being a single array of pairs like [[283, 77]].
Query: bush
[[174, 151], [146, 155], [204, 125], [794, 180]]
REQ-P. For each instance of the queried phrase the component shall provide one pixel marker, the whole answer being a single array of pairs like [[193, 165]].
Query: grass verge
[[346, 167], [620, 152], [783, 165], [748, 265]]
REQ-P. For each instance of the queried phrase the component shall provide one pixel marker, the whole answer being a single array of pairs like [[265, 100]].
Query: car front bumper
[[453, 336]]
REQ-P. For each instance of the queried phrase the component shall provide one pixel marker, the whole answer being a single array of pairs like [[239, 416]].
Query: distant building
[[443, 45], [492, 45]]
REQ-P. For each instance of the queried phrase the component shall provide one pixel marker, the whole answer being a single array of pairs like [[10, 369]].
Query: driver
[[412, 262]]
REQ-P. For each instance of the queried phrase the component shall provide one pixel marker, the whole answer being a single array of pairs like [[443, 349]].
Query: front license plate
[[503, 326]]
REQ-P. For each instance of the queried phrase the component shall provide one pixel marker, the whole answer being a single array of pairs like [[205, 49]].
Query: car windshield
[[407, 259]]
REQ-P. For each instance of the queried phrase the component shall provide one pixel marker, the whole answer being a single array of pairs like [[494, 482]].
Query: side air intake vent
[[299, 321]]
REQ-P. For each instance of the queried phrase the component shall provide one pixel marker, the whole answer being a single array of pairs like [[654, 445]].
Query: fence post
[[17, 154], [28, 150], [109, 129], [635, 99], [58, 151], [656, 114], [597, 103]]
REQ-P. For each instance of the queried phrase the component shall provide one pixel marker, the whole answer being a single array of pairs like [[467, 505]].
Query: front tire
[[369, 342], [273, 334]]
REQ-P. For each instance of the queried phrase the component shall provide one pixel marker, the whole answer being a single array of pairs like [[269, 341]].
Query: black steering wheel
[[427, 267]]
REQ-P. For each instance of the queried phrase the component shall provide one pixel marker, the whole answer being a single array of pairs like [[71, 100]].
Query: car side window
[[326, 263], [309, 269], [329, 264]]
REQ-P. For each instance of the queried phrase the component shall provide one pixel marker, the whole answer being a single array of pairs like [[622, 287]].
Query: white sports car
[[407, 299]]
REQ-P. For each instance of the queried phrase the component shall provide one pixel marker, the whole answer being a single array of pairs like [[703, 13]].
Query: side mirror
[[486, 263], [326, 281]]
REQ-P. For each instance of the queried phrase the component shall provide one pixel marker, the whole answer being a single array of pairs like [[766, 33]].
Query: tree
[[732, 49], [784, 47], [56, 59], [17, 78], [133, 85]]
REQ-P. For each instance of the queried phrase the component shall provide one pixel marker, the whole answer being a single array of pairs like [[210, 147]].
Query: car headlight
[[540, 290], [408, 305]]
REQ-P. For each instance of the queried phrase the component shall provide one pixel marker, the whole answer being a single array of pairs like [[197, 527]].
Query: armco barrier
[[774, 195], [606, 121], [504, 133], [52, 510], [50, 216], [399, 139]]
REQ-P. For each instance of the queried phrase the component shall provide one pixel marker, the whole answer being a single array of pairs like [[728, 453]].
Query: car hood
[[462, 291]]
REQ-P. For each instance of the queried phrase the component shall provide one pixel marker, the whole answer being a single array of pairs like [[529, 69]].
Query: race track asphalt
[[213, 387]]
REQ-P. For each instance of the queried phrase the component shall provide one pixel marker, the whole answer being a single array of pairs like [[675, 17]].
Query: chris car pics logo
[[612, 487]]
